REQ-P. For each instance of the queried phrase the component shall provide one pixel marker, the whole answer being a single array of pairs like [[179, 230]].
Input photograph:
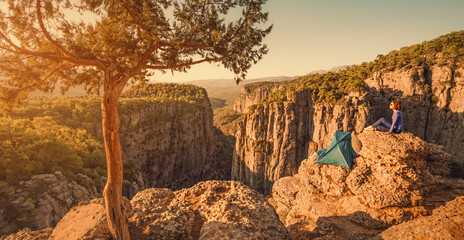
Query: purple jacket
[[397, 122]]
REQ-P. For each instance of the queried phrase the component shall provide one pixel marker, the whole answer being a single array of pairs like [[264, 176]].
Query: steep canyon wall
[[433, 103], [175, 145], [274, 137], [252, 93]]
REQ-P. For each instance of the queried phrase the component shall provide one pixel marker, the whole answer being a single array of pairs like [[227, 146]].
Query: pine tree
[[42, 43]]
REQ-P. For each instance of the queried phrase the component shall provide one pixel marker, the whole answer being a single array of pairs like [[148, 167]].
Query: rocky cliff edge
[[208, 210], [396, 178], [42, 201]]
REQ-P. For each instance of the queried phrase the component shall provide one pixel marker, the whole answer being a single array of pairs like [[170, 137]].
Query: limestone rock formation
[[446, 222], [396, 178], [208, 210], [252, 93], [274, 137], [85, 221], [42, 201], [175, 145], [433, 103], [28, 234]]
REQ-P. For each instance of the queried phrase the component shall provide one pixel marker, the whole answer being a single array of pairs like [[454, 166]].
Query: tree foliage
[[41, 146], [329, 87], [41, 45], [445, 50], [85, 113], [38, 146], [167, 92], [76, 113]]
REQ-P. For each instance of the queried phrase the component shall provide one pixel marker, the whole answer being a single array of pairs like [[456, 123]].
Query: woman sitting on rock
[[395, 126]]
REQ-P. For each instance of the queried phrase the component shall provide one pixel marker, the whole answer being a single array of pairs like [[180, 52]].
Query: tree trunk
[[115, 210]]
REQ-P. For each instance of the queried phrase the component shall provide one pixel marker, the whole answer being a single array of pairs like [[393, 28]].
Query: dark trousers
[[387, 125]]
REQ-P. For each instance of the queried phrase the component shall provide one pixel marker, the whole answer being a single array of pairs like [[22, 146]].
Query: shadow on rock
[[396, 178]]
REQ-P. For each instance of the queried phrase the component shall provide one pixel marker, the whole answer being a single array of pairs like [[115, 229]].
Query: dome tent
[[340, 152]]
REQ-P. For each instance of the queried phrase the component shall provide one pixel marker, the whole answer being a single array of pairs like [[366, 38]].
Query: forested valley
[[44, 135]]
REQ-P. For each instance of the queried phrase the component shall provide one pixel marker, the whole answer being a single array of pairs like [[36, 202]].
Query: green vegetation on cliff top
[[447, 50], [167, 92], [45, 135], [42, 146], [48, 135], [85, 112]]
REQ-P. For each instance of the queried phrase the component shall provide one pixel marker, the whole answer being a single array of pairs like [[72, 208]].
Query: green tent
[[340, 151]]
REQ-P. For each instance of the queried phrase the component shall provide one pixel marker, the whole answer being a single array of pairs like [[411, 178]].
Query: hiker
[[395, 126]]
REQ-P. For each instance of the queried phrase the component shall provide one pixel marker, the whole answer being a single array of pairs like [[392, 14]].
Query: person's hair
[[396, 105]]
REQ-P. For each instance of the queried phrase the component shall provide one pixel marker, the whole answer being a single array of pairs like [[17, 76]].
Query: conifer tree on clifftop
[[45, 42]]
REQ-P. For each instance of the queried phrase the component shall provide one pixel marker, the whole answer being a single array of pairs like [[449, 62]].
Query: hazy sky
[[313, 35]]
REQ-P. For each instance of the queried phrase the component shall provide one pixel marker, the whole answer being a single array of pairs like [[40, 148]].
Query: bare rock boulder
[[208, 210], [42, 201], [85, 221], [28, 234], [446, 222]]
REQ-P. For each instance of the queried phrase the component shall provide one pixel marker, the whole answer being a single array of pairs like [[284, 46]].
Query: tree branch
[[138, 22], [142, 61], [41, 81], [47, 34], [8, 40], [16, 60], [67, 56], [240, 27], [185, 64], [51, 56], [199, 21]]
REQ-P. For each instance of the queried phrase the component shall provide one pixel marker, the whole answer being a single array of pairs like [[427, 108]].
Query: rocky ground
[[397, 179], [446, 222], [208, 210], [48, 197]]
